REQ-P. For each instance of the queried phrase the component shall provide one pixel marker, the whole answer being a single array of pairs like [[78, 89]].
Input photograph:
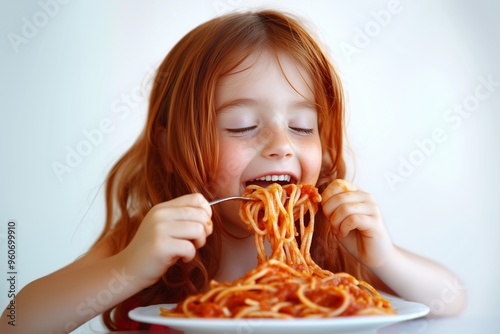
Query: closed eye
[[241, 130], [303, 130]]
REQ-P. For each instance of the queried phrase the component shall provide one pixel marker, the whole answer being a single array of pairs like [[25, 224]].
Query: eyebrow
[[304, 104], [236, 103]]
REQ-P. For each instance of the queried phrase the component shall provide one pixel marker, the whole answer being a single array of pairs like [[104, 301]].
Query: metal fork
[[229, 198]]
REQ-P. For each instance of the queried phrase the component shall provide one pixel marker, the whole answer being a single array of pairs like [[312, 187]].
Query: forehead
[[266, 73]]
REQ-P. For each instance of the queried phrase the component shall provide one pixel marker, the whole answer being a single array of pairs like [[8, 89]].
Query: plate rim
[[410, 310]]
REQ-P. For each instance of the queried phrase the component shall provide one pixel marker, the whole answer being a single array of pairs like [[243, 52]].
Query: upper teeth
[[275, 178]]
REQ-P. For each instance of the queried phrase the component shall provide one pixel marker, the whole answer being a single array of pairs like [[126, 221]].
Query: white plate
[[356, 324]]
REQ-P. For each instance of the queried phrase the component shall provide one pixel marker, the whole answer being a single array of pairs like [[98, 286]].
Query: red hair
[[177, 153]]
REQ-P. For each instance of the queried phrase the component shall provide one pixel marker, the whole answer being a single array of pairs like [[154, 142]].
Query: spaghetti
[[288, 283]]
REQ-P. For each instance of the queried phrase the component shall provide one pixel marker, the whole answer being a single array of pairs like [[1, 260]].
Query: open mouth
[[266, 180]]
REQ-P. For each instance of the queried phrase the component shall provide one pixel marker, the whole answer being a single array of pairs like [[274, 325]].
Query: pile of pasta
[[287, 283]]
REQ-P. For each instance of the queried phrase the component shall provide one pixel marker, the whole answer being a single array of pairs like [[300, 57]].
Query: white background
[[70, 70]]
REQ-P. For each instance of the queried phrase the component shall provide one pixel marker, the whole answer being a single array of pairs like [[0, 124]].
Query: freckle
[[265, 135]]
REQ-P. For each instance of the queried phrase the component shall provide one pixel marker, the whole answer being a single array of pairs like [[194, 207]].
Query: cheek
[[231, 165], [311, 161], [230, 158]]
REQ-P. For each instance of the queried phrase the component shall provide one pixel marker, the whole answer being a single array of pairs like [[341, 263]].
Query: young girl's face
[[268, 128]]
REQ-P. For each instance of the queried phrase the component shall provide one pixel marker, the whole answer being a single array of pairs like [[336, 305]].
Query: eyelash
[[304, 131], [241, 130], [250, 128]]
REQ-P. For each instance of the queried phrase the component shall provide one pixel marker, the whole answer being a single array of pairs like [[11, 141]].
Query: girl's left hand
[[356, 222]]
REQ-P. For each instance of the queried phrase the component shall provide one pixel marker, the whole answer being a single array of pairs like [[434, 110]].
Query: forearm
[[417, 279], [64, 300]]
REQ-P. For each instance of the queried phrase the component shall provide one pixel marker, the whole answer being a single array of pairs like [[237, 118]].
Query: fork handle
[[229, 198]]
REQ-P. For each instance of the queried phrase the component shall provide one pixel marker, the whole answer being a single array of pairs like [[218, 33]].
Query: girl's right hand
[[170, 231]]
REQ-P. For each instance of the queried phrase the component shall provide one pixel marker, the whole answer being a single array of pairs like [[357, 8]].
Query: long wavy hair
[[177, 153]]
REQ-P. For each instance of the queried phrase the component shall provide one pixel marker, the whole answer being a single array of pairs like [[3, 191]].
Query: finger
[[336, 187], [356, 215], [196, 201], [192, 200], [183, 249], [358, 222], [192, 231], [331, 204], [185, 214]]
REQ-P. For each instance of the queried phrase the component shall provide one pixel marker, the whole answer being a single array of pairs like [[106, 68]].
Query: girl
[[242, 99]]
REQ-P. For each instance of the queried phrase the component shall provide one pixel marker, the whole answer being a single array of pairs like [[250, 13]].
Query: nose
[[276, 143]]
